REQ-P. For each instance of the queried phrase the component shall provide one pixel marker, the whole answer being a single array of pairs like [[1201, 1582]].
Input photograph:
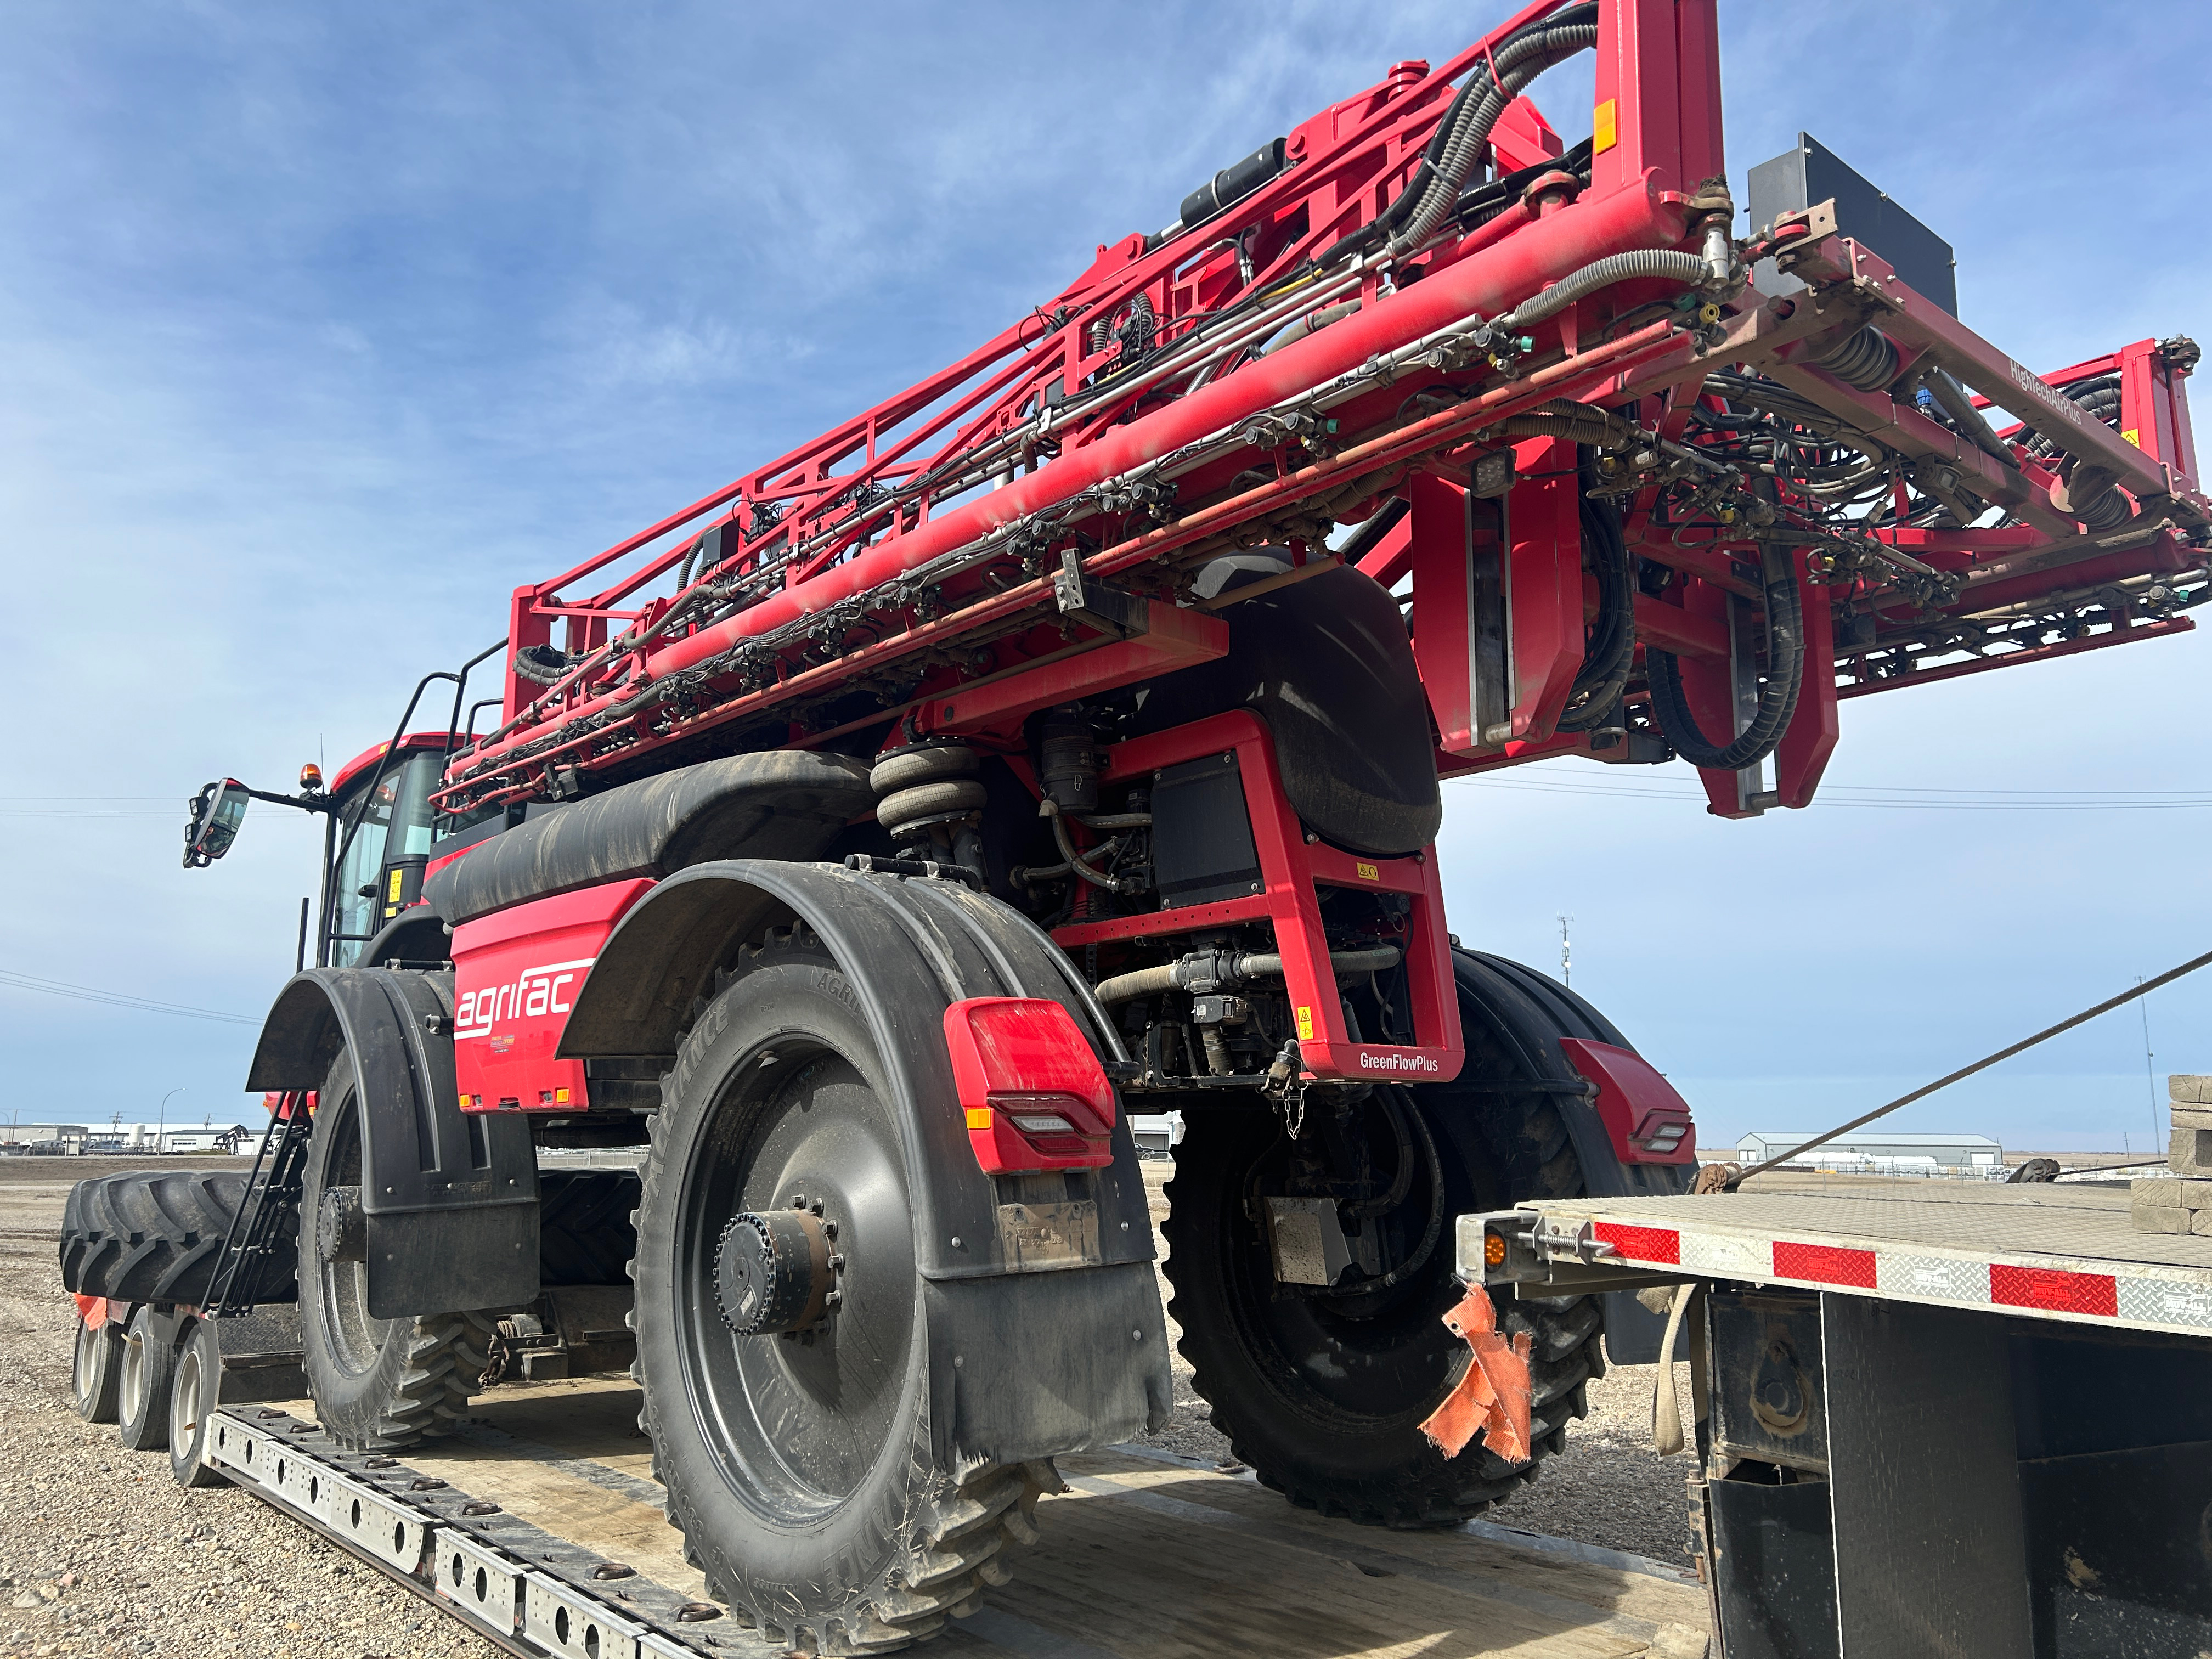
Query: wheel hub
[[772, 1271]]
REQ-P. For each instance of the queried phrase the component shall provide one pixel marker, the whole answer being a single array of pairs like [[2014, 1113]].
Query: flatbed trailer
[[1966, 1419], [539, 1527]]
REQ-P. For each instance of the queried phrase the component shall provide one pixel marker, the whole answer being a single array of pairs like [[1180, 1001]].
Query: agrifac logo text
[[531, 995], [1396, 1062]]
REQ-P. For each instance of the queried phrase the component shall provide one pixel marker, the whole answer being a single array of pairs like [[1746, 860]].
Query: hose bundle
[[1433, 192], [1609, 653], [1778, 696]]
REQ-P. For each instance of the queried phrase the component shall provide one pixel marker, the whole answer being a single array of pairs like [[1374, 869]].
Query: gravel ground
[[100, 1553]]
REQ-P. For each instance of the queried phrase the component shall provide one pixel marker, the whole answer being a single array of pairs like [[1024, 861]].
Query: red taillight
[[1033, 1093]]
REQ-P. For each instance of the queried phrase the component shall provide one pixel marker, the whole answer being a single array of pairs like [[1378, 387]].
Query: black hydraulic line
[[1402, 1182], [1778, 698], [1485, 201], [1968, 420], [1465, 128], [1983, 1064], [1493, 84], [1610, 652], [1866, 360], [1414, 1263]]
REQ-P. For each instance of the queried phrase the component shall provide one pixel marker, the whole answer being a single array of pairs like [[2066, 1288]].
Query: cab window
[[391, 821]]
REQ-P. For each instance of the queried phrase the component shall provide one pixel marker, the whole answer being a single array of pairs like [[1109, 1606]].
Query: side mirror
[[217, 811]]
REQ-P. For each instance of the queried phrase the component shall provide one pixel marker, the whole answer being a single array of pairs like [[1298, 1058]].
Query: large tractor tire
[[377, 1383], [1323, 1394], [151, 1235], [799, 1464], [585, 1233]]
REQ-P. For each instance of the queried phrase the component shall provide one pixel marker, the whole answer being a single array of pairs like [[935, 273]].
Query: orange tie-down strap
[[1493, 1396]]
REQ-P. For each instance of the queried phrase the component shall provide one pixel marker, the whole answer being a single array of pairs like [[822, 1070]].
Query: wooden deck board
[[1140, 1560]]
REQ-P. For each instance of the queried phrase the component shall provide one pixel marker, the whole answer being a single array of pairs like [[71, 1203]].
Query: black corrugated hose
[[1610, 651], [1491, 85], [1778, 697]]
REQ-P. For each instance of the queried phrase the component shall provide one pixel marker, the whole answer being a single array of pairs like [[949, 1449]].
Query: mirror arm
[[304, 803]]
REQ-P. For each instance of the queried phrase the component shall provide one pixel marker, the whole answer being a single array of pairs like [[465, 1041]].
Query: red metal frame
[[1292, 868]]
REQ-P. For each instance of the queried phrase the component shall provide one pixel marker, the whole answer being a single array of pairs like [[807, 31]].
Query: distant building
[[17, 1139], [226, 1141], [1878, 1154]]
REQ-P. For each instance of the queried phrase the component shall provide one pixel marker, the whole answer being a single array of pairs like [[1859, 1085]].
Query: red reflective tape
[[2056, 1289], [1642, 1243], [1824, 1264]]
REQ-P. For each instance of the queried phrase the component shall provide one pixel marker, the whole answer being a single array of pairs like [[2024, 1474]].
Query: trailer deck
[[1964, 1420], [1142, 1557], [2048, 1251]]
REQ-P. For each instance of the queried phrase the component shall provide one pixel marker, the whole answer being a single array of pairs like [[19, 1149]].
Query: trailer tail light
[[1647, 1121], [1032, 1093]]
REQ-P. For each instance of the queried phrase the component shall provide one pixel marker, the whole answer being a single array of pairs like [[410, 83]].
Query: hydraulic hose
[[534, 668], [1411, 1118], [1221, 966], [1433, 194], [1586, 423], [1778, 698], [1667, 263], [1866, 360], [1610, 652], [1967, 419]]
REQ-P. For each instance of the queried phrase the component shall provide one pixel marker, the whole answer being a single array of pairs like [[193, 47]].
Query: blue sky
[[323, 328]]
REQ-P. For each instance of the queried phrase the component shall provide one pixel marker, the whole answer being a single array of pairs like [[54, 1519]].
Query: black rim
[[1375, 1360], [800, 1424], [354, 1340]]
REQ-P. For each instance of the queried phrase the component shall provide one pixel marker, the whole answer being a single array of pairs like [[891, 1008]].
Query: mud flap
[[1046, 1332], [450, 1197]]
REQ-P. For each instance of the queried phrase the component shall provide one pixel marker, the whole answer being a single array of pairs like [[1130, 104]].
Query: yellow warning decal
[[1368, 873], [979, 1117], [1305, 1025], [2134, 436], [393, 897], [1605, 127]]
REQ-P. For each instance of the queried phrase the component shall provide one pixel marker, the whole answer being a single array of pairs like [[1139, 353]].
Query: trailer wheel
[[798, 1462], [94, 1372], [1324, 1397], [148, 1368], [193, 1395], [377, 1383]]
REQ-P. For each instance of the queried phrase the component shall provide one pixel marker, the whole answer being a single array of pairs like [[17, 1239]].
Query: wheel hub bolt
[[772, 1272]]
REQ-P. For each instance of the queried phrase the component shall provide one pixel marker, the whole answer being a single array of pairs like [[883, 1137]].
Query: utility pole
[[1566, 955], [2157, 1117]]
